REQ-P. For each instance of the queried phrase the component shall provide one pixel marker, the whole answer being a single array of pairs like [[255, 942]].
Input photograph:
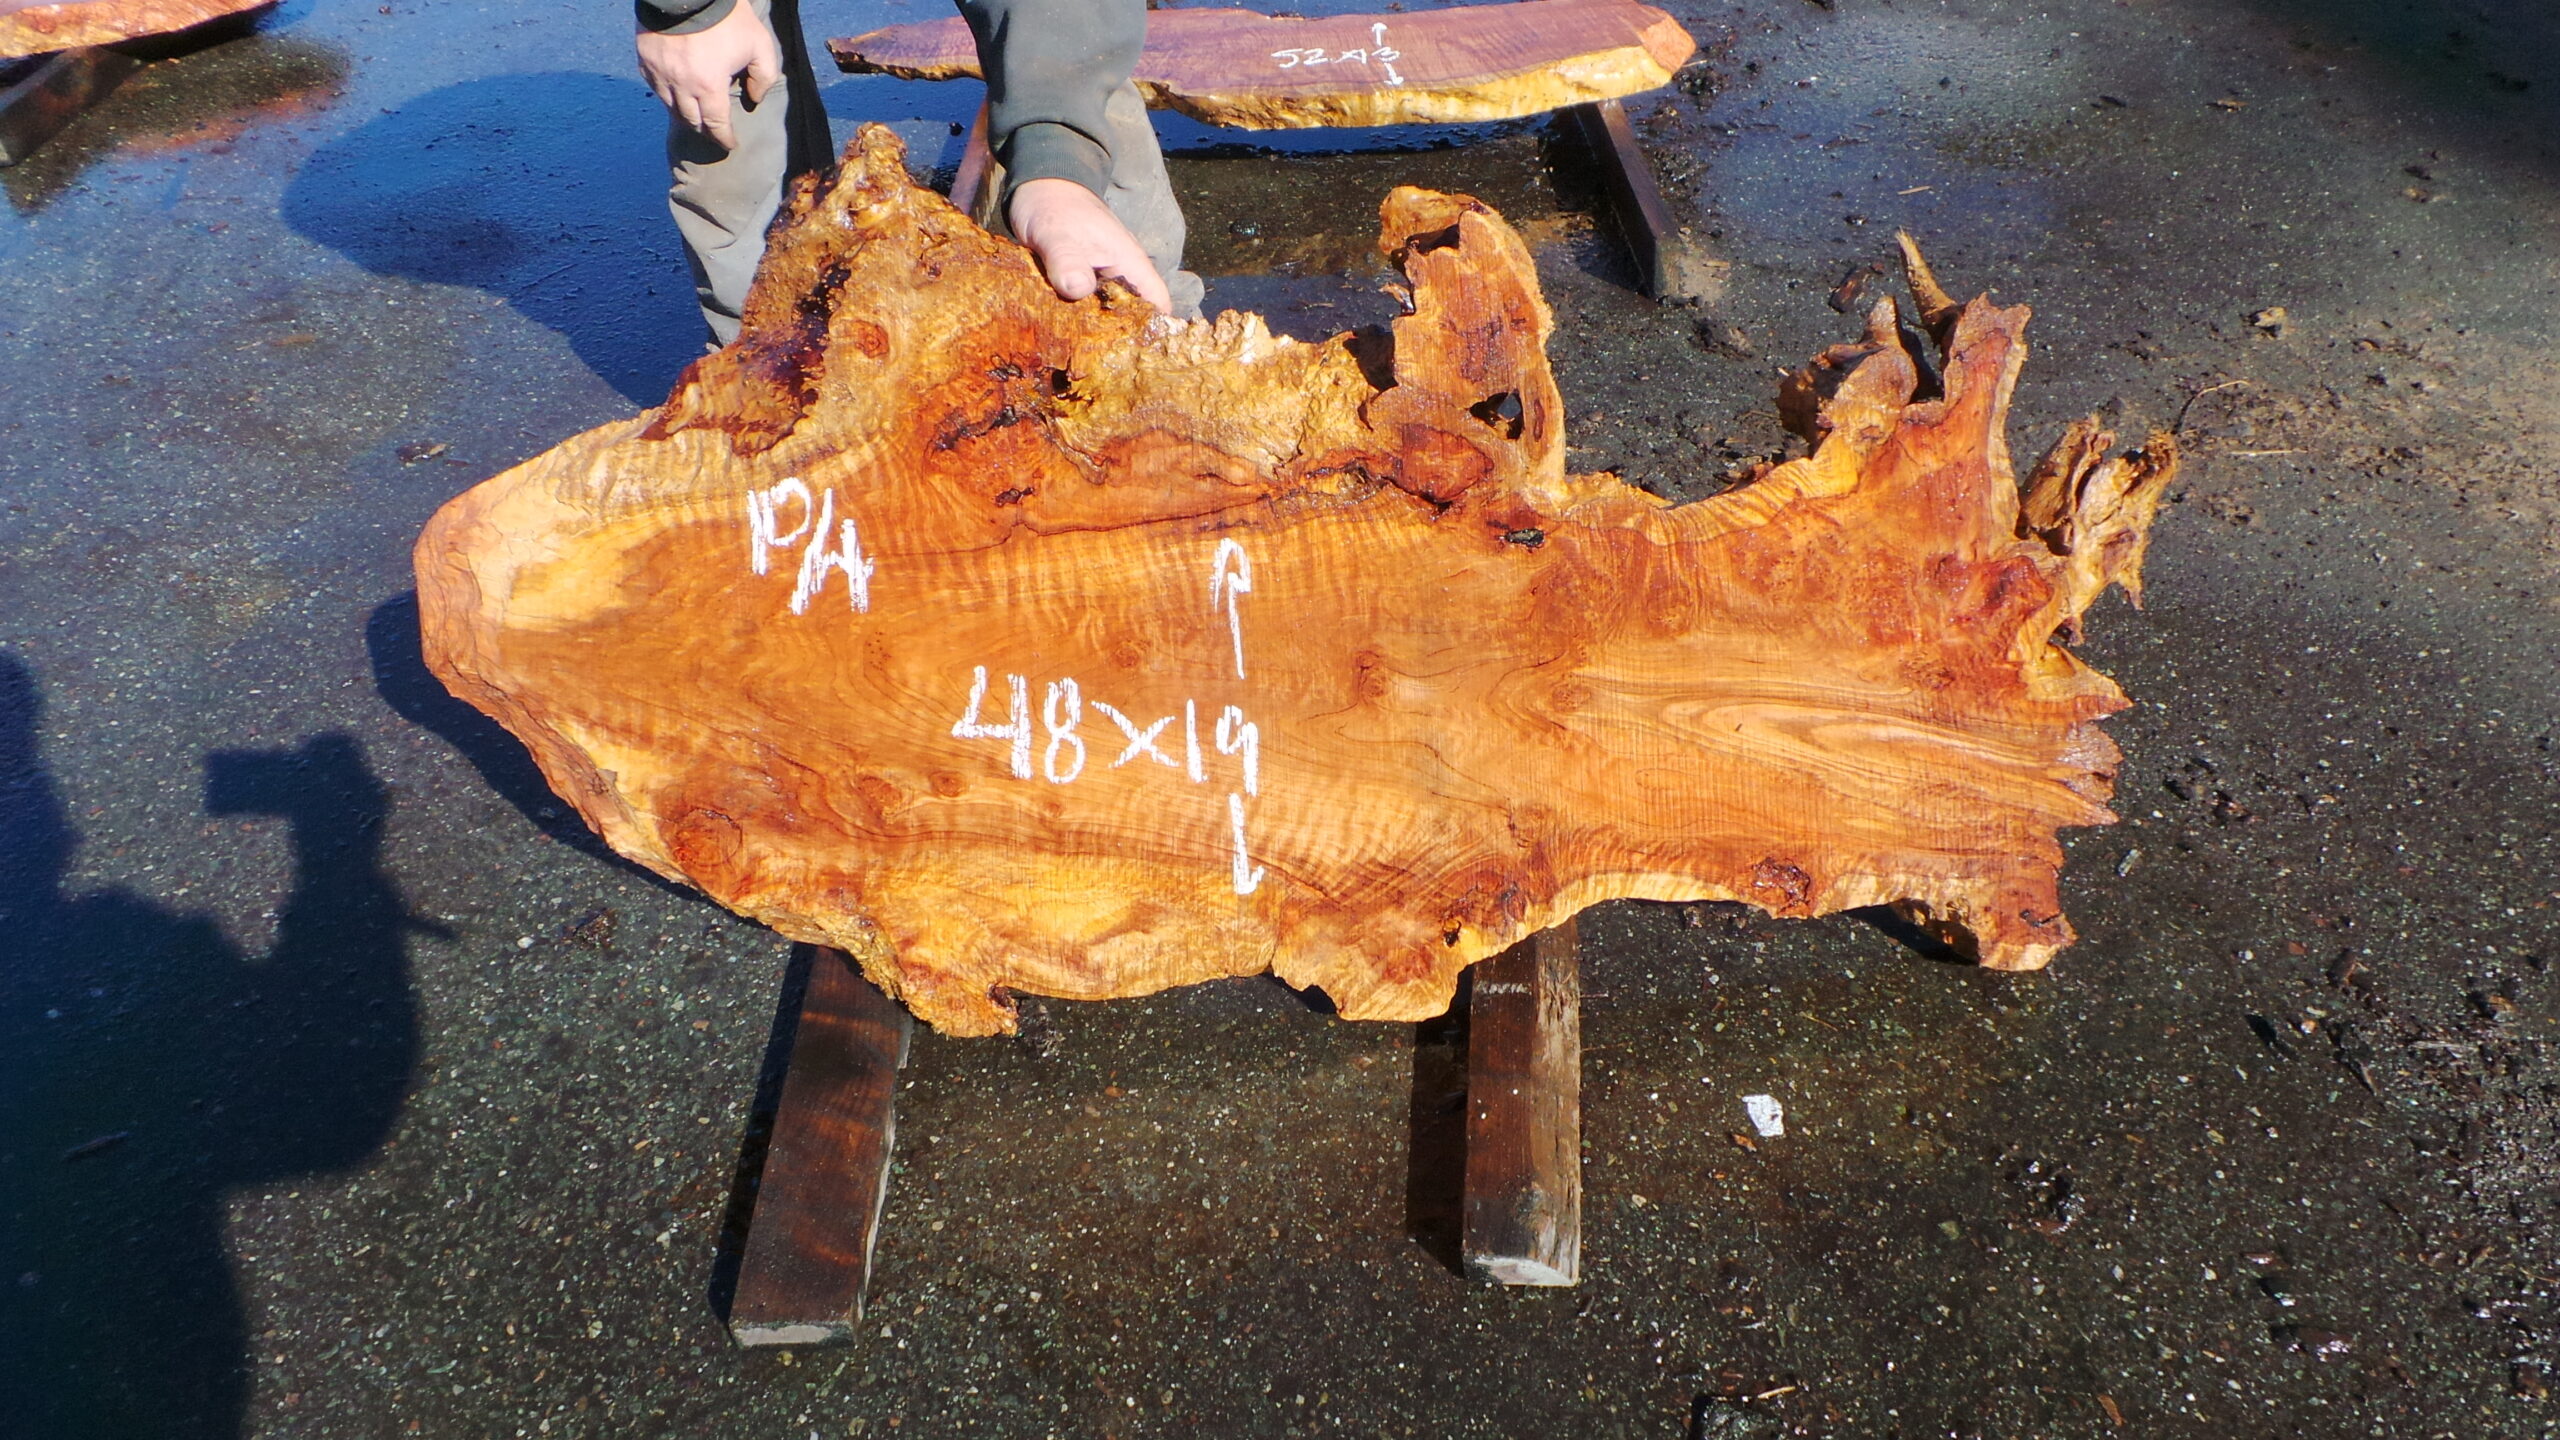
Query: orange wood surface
[[1019, 645]]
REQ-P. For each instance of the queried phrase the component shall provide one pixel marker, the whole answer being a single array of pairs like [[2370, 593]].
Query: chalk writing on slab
[[828, 546], [1018, 730], [1231, 575], [1061, 721], [1063, 700], [1239, 736], [1377, 50], [1248, 877], [1141, 742]]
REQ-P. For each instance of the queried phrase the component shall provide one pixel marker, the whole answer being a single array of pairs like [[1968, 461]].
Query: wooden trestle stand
[[806, 1258]]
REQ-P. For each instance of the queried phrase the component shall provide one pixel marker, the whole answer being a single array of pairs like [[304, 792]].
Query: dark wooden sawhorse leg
[[1524, 1114], [1671, 261], [807, 1254], [39, 96]]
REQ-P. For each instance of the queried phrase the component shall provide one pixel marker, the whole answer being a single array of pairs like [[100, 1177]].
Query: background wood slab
[[1267, 72], [28, 27]]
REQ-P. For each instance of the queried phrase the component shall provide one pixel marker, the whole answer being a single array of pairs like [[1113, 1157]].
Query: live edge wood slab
[[1262, 72], [32, 27], [1014, 645]]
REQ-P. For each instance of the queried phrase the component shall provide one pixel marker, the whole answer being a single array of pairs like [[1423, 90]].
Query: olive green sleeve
[[681, 17], [1051, 66]]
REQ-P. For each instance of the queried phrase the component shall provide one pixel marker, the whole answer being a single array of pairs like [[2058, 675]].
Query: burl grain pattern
[[30, 27], [1017, 645], [1269, 72]]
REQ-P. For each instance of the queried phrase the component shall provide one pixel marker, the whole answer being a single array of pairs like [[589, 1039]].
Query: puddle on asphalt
[[1294, 235], [198, 100]]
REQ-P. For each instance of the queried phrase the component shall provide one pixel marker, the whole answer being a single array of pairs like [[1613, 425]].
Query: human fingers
[[1144, 278], [715, 117], [1070, 274], [1121, 255], [764, 67]]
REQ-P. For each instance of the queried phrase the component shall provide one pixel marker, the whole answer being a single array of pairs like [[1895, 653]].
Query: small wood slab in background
[[33, 27], [41, 95], [817, 1209], [1271, 72], [1524, 1114]]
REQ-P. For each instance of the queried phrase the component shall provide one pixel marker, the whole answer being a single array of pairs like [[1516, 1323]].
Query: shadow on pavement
[[402, 679], [1435, 1175], [147, 1068], [549, 192], [729, 1251], [2489, 66]]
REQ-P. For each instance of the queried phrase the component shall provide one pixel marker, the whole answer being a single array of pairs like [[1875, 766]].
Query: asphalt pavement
[[348, 1088]]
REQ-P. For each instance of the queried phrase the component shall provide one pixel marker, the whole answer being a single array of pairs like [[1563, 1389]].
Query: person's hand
[[691, 73], [1077, 241]]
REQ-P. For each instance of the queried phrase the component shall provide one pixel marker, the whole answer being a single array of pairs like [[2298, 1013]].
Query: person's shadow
[[147, 1068], [548, 192]]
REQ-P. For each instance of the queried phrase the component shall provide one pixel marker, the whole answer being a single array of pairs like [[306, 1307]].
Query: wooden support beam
[[969, 182], [1524, 1114], [807, 1256], [1671, 261], [47, 92]]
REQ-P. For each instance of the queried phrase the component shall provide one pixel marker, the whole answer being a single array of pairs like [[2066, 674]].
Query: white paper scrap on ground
[[1767, 1115]]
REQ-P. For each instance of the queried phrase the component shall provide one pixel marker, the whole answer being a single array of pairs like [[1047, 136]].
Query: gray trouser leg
[[724, 199], [1141, 195]]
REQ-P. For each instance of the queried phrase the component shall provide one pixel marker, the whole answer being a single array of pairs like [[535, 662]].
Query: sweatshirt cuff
[[681, 17], [1047, 150]]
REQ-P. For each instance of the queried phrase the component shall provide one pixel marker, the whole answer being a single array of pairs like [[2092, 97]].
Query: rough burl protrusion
[[1023, 646]]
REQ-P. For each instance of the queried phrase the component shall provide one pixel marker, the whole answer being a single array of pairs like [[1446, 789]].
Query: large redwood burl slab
[[37, 27], [1016, 645]]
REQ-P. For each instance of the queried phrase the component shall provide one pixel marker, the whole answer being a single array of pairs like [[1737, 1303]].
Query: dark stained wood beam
[[1671, 260], [969, 182], [807, 1256], [1524, 1114], [40, 96]]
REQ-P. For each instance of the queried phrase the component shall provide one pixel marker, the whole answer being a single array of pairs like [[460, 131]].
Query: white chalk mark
[[846, 557], [1019, 731], [1767, 1115], [1226, 582], [1062, 733], [1237, 735], [1248, 877], [1378, 32], [1191, 742], [1141, 742], [1392, 77], [1288, 58], [761, 509]]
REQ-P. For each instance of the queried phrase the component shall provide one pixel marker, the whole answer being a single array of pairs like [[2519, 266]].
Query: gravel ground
[[348, 1089]]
